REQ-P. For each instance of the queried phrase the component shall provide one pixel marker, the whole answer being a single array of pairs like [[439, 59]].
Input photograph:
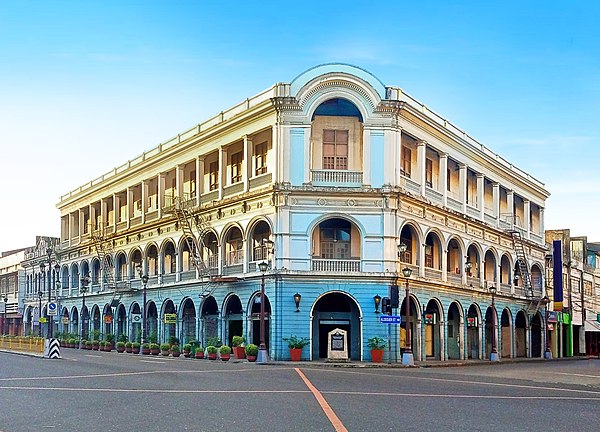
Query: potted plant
[[377, 345], [145, 348], [211, 350], [251, 352], [121, 347], [135, 347], [155, 348], [187, 350], [238, 346], [225, 352], [165, 348], [88, 345], [175, 350], [199, 352], [128, 347], [295, 344]]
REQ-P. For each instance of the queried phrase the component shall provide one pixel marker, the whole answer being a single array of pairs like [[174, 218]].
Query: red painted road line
[[334, 419]]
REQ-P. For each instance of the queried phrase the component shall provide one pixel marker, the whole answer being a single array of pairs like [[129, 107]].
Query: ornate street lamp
[[85, 282], [548, 351], [40, 294], [144, 278], [297, 298], [5, 299], [407, 355], [377, 301], [263, 355], [50, 261], [494, 354]]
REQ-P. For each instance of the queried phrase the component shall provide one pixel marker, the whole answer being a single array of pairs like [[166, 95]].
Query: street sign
[[42, 320], [136, 318], [52, 309], [390, 319], [170, 318]]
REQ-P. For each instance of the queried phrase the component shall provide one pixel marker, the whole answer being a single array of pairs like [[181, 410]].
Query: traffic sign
[[390, 319], [52, 309], [42, 320]]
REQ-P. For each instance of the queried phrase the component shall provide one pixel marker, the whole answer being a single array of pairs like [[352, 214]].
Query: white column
[[496, 201], [199, 179], [443, 175], [247, 162], [462, 185], [103, 216], [510, 204], [178, 182], [421, 152], [273, 152], [222, 170], [129, 198], [144, 187], [480, 194], [161, 193], [116, 211], [541, 222], [444, 259], [527, 216]]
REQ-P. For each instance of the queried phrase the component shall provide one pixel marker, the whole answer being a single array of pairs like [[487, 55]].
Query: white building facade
[[340, 172]]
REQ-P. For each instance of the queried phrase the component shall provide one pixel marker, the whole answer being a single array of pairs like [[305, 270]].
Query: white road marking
[[578, 375]]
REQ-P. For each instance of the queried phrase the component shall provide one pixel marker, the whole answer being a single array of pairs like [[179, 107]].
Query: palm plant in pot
[[377, 345], [225, 352], [211, 350], [251, 352], [296, 344]]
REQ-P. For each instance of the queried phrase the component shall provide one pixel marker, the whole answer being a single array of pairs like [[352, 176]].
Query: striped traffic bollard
[[52, 349]]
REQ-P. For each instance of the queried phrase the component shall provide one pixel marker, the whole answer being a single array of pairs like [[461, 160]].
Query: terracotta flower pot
[[225, 357], [251, 358], [186, 353], [145, 351], [295, 354], [199, 354], [212, 356], [239, 352], [175, 353], [376, 356], [155, 351]]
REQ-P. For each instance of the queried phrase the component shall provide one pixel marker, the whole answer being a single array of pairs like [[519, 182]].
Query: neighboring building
[[578, 323], [38, 285], [11, 273], [339, 171]]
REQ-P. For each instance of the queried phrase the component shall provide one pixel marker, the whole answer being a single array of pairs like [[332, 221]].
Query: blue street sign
[[390, 319]]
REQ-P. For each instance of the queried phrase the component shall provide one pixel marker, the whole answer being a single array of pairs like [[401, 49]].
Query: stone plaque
[[337, 345]]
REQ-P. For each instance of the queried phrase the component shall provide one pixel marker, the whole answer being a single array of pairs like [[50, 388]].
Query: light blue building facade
[[352, 181]]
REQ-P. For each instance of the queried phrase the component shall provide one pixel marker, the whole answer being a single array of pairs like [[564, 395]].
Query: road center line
[[333, 418], [578, 375]]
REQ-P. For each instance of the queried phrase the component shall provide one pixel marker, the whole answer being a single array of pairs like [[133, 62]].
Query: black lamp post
[[263, 355], [377, 301], [49, 252], [548, 351], [4, 320], [494, 354], [40, 294], [85, 281], [407, 355], [144, 278]]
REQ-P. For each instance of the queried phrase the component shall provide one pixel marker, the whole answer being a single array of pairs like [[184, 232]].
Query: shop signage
[[550, 327], [598, 317], [65, 320], [471, 321], [429, 318], [552, 317], [136, 318], [566, 318], [390, 319], [107, 319], [42, 320], [170, 318]]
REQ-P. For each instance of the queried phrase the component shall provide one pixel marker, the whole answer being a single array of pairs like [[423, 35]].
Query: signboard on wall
[[429, 318], [108, 319], [557, 274], [170, 318], [471, 321]]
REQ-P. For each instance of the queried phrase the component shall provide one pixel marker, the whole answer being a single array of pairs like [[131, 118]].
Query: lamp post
[[548, 351], [40, 312], [85, 281], [494, 354], [144, 278], [50, 260], [4, 320], [263, 355], [407, 355]]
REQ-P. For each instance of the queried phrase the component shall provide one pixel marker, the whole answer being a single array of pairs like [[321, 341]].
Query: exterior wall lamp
[[377, 301], [297, 298]]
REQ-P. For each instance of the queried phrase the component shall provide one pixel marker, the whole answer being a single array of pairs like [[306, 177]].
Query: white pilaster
[[443, 176], [421, 152]]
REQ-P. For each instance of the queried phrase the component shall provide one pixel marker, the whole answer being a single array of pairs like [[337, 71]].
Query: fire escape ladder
[[523, 269], [104, 251]]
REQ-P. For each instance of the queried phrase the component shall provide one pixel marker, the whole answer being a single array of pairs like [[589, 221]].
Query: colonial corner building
[[339, 183]]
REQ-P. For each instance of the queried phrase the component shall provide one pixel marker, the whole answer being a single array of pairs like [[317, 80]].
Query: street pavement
[[97, 391]]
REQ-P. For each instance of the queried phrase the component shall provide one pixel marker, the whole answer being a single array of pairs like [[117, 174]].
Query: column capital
[[421, 142]]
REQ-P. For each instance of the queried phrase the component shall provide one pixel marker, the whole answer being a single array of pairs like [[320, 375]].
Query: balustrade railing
[[335, 265]]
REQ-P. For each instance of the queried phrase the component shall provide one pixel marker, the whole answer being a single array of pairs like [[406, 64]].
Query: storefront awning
[[592, 326]]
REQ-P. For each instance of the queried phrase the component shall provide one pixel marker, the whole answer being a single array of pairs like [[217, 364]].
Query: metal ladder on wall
[[182, 211], [534, 303], [105, 252]]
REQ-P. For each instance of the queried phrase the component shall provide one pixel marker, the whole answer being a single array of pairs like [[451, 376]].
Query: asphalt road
[[96, 391]]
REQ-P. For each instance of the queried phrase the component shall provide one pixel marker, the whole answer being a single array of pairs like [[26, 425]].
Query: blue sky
[[85, 86]]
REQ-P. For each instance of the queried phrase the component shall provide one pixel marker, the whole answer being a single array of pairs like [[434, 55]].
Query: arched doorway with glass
[[209, 320], [74, 320], [254, 316], [233, 318], [96, 325], [473, 332], [473, 266], [491, 329], [536, 335], [169, 320], [152, 322], [506, 342], [336, 245], [409, 248], [521, 334], [108, 320], [259, 252], [455, 329], [63, 324], [336, 310], [135, 329], [415, 338], [188, 321], [85, 323], [433, 330], [121, 327], [433, 256]]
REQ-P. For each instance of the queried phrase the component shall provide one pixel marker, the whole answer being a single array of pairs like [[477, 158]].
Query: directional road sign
[[390, 319], [52, 309]]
